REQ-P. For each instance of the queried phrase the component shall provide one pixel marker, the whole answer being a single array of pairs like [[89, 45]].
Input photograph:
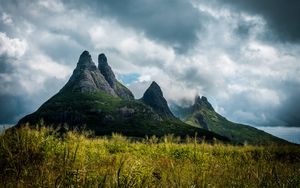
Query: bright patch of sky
[[128, 79]]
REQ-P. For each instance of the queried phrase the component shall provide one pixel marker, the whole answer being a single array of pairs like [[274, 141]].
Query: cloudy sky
[[242, 54]]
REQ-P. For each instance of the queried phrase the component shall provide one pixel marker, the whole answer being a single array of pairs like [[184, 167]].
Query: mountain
[[202, 114], [87, 78], [94, 98], [153, 97]]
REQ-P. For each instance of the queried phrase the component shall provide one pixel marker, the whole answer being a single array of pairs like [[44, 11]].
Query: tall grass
[[43, 158]]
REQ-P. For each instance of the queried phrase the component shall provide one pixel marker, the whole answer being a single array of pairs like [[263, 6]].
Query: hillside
[[202, 114]]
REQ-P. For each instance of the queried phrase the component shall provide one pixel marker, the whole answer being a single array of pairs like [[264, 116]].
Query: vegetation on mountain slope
[[202, 114], [105, 114]]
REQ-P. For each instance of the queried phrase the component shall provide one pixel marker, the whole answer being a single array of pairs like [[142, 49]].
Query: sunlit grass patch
[[44, 158]]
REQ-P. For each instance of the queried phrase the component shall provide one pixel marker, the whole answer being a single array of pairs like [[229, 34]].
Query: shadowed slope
[[154, 98]]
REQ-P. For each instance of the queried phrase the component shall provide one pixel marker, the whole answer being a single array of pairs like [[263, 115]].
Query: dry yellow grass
[[40, 158]]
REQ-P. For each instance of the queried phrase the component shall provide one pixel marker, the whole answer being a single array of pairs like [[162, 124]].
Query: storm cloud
[[242, 55], [281, 16], [174, 22]]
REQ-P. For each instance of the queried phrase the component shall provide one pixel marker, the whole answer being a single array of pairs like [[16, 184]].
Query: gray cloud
[[289, 111], [174, 22], [282, 16], [218, 49], [6, 65], [11, 109]]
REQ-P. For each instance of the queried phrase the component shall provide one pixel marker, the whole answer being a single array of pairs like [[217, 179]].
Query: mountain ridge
[[92, 98], [202, 114]]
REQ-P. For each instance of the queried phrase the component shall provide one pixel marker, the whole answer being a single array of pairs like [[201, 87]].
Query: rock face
[[202, 103], [87, 78], [106, 71], [109, 76], [153, 97]]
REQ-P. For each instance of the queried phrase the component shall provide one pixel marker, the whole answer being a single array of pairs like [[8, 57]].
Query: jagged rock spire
[[202, 103], [153, 97], [102, 60], [106, 71], [87, 78], [85, 61], [109, 76], [85, 57]]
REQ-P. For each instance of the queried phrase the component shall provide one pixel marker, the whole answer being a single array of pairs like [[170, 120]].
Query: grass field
[[41, 158]]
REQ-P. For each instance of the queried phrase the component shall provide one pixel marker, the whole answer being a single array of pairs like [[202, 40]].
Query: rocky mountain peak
[[202, 103], [110, 77], [154, 87], [106, 70], [102, 60], [153, 97], [85, 61], [87, 78], [85, 55]]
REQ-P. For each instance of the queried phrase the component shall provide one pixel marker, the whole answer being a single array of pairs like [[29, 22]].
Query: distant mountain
[[94, 98], [202, 114]]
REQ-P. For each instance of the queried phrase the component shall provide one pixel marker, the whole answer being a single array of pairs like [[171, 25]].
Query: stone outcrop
[[110, 77], [202, 103], [87, 78], [153, 97]]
